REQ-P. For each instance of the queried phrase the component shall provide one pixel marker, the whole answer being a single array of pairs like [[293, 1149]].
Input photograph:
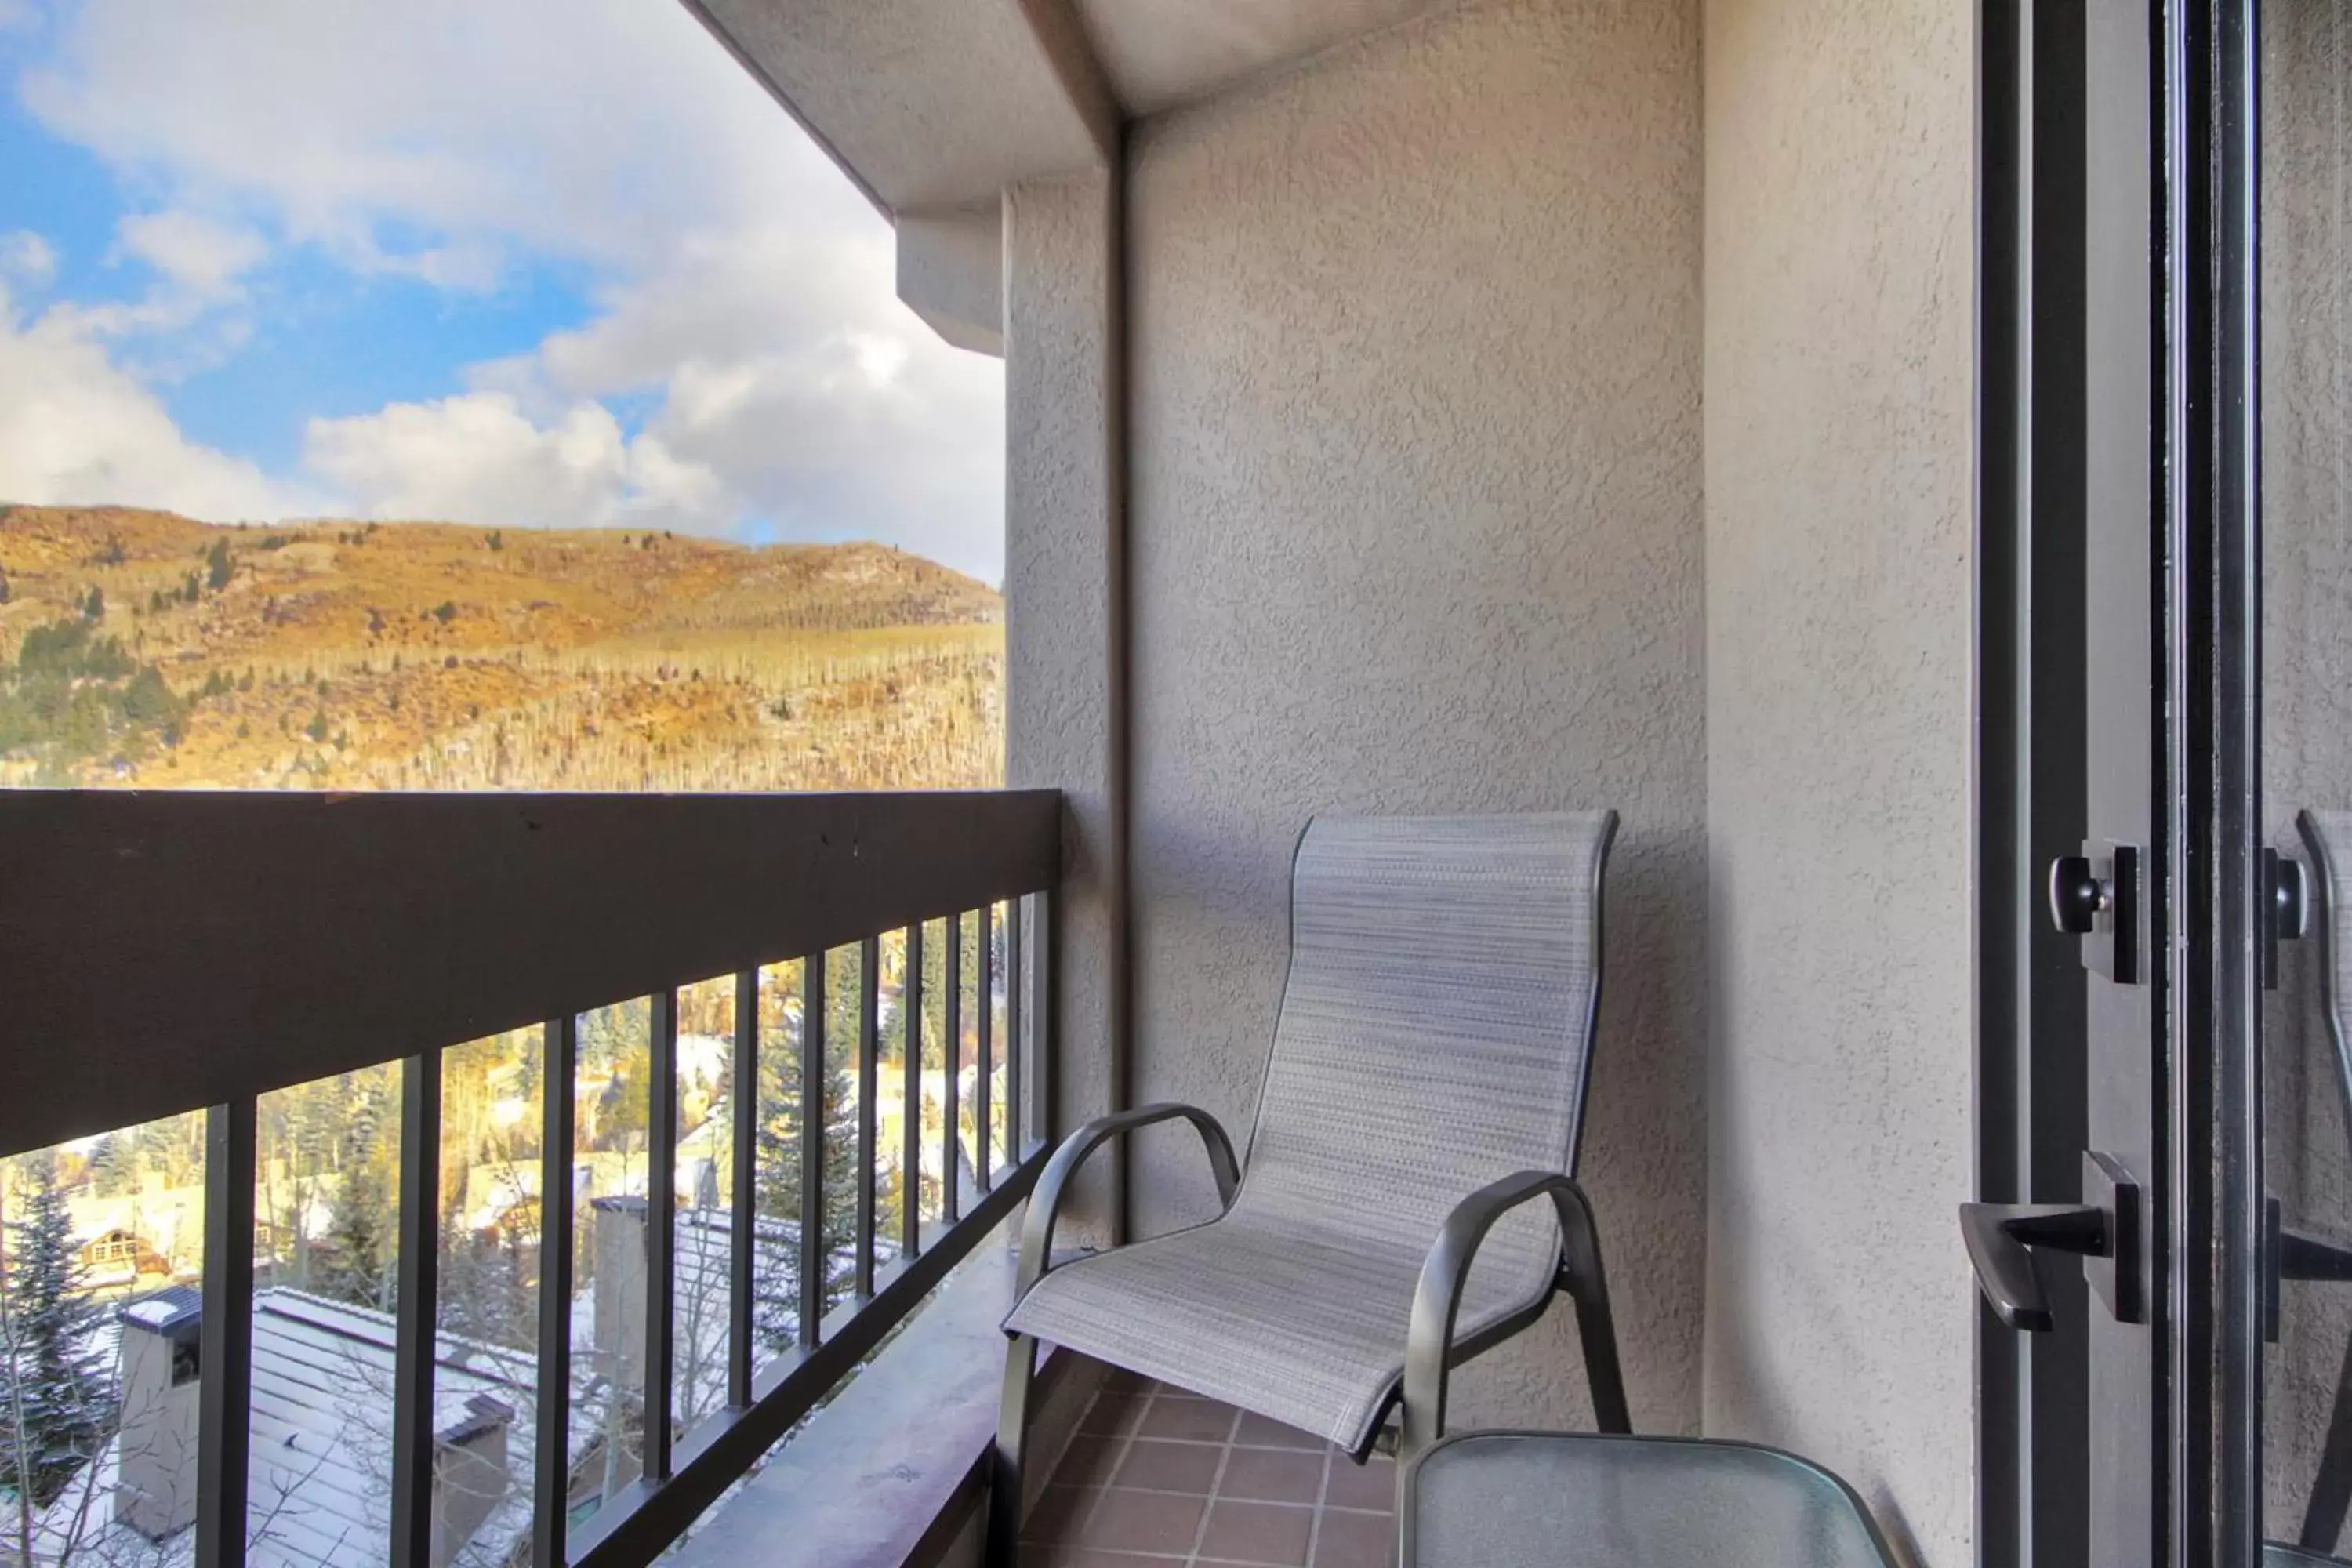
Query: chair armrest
[[1437, 1302], [1045, 1199]]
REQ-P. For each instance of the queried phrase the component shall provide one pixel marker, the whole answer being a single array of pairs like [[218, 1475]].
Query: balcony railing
[[169, 953]]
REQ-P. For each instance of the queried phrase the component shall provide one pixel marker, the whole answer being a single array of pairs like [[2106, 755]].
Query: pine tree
[[360, 1238], [778, 1164], [58, 1401]]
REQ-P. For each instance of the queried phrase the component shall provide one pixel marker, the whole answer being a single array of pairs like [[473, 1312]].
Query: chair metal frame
[[1432, 1348]]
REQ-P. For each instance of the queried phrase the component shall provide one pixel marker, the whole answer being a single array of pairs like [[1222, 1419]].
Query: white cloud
[[745, 305], [827, 405], [476, 458], [26, 259], [74, 429], [591, 128], [202, 255]]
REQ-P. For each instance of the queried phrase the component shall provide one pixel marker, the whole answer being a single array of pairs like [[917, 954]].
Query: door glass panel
[[2305, 343]]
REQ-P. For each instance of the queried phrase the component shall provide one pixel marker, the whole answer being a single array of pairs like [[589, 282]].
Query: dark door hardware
[[2077, 896], [2107, 1232], [2286, 901], [2096, 896]]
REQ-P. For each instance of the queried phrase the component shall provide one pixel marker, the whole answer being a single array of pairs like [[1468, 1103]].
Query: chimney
[[156, 1448], [470, 1474], [620, 1241]]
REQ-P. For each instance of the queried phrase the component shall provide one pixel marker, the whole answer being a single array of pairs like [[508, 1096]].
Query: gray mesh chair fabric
[[2327, 835], [1433, 1037], [1556, 1499]]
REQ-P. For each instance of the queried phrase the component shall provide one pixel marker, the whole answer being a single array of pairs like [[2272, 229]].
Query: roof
[[322, 1402], [163, 1311], [321, 1456], [321, 1459]]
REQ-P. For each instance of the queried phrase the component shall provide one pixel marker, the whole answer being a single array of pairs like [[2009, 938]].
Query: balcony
[[1500, 406]]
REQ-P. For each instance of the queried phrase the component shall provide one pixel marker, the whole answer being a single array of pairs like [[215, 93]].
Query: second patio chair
[[1426, 1086]]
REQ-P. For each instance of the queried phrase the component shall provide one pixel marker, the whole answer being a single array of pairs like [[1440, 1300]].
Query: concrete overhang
[[934, 107], [929, 104], [1159, 54]]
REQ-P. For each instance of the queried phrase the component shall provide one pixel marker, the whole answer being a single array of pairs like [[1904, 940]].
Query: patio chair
[[2326, 835], [1427, 1087]]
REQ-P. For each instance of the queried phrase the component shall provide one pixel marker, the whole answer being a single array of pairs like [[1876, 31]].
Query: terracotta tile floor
[[1158, 1478]]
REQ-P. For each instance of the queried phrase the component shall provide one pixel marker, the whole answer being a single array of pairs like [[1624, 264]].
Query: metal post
[[870, 1024], [812, 1307], [743, 1201], [952, 1147], [661, 1228], [551, 1460], [983, 987], [1016, 1040], [224, 1399], [911, 1206], [414, 1341]]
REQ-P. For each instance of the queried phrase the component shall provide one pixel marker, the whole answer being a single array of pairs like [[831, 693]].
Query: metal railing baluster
[[742, 1254], [1046, 1027], [951, 1048], [418, 1308], [224, 1346], [869, 1025], [551, 1457], [812, 1237], [911, 1181], [1016, 1043], [983, 987], [661, 1227]]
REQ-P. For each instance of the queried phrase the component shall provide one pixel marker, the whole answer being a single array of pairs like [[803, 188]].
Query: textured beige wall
[[1839, 299], [1415, 527], [2307, 676], [1064, 571]]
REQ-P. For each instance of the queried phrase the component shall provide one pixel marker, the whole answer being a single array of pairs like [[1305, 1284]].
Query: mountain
[[142, 648]]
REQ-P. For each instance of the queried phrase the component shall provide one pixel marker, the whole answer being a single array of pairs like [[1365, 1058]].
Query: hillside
[[143, 650]]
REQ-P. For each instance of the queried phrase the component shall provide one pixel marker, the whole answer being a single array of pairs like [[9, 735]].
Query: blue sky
[[313, 257]]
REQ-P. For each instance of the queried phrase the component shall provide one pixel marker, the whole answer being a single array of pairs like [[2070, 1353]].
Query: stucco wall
[[1415, 523], [1839, 284], [2306, 349], [1065, 605]]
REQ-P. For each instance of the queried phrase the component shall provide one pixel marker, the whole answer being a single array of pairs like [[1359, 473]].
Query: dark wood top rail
[[161, 951]]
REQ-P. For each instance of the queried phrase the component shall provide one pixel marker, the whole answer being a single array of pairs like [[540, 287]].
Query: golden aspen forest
[[141, 650]]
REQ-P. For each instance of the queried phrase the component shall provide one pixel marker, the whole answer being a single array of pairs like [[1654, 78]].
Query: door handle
[[2001, 1239]]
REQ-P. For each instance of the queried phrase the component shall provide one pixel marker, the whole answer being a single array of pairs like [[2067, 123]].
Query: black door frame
[[2033, 1390], [2032, 1433], [2218, 512]]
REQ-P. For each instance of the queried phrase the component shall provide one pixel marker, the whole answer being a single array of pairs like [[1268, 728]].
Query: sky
[[518, 263]]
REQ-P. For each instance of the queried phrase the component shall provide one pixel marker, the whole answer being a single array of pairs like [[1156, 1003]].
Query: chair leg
[[1006, 1480], [2331, 1490]]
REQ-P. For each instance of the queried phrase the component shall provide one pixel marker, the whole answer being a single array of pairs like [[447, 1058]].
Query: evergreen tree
[[778, 1164], [57, 1402], [359, 1240], [218, 567]]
